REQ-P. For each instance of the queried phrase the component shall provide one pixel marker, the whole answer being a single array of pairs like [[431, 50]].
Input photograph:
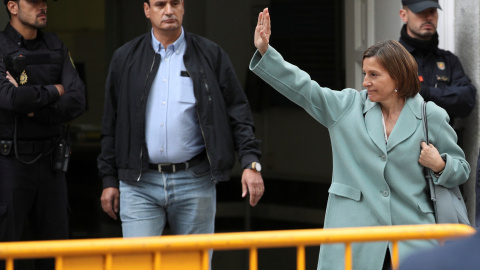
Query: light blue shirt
[[172, 130]]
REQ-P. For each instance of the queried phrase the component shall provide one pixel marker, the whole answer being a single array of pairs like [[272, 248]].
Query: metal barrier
[[191, 251]]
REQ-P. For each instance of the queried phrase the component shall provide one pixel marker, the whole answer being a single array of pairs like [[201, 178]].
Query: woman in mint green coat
[[377, 144]]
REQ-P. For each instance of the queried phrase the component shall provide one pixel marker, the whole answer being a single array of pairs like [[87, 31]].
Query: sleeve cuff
[[248, 159], [53, 93], [110, 181]]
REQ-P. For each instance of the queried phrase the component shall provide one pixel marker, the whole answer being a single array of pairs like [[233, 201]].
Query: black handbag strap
[[426, 171]]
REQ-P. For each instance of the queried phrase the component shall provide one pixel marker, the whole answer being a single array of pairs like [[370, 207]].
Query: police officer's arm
[[24, 99], [59, 87], [72, 103], [107, 169], [458, 98]]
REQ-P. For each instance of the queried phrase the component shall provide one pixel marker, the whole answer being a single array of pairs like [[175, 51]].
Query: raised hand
[[262, 32]]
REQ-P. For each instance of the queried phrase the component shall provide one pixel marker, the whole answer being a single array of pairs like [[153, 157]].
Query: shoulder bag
[[448, 203]]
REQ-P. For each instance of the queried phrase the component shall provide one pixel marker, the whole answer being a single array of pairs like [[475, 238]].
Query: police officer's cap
[[417, 6], [6, 1]]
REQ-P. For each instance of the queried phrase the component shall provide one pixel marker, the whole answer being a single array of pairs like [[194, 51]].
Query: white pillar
[[467, 32]]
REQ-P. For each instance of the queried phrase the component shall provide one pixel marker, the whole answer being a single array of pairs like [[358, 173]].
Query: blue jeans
[[187, 202]]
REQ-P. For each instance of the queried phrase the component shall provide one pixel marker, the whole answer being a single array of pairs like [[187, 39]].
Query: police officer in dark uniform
[[441, 73], [40, 90]]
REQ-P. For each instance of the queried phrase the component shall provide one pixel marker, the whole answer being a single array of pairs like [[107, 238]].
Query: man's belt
[[7, 147], [175, 167]]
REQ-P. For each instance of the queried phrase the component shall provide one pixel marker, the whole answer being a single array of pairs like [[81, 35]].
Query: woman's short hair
[[399, 63]]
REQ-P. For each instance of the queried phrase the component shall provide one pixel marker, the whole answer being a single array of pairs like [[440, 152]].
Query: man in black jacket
[[174, 117], [39, 90]]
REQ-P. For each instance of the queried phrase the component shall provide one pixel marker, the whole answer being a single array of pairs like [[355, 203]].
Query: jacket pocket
[[345, 191], [201, 169], [425, 207]]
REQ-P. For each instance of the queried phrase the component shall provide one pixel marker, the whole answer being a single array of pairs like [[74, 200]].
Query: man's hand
[[252, 182], [61, 90], [111, 201], [11, 79]]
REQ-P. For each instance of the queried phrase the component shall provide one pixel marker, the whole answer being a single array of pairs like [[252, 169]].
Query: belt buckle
[[166, 164]]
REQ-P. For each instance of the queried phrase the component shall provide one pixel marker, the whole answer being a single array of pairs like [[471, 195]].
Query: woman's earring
[[396, 90]]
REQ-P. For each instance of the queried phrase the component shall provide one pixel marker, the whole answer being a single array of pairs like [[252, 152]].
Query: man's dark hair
[[10, 15]]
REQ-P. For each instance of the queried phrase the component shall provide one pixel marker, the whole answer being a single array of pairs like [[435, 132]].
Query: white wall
[[446, 25]]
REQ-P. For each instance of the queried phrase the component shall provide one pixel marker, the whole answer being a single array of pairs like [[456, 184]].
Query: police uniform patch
[[23, 78], [443, 78], [441, 65]]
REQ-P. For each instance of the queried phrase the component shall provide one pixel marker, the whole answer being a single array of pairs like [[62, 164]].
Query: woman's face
[[377, 81]]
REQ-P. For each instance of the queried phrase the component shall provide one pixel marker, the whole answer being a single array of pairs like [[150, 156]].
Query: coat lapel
[[373, 122], [407, 122]]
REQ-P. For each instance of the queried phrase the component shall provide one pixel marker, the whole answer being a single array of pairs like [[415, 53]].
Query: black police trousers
[[33, 203]]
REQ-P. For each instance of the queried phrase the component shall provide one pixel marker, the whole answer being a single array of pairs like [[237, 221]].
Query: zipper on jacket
[[206, 146], [200, 122], [141, 102], [205, 83]]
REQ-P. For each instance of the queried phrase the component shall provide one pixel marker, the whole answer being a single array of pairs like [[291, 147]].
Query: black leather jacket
[[222, 107]]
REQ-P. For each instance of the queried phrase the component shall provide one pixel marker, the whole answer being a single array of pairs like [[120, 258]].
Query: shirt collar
[[19, 40], [176, 46]]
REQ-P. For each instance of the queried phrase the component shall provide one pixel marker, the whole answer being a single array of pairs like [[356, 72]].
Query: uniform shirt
[[172, 131]]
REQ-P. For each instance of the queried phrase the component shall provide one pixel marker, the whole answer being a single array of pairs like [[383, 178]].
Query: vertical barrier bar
[[205, 260], [253, 259], [348, 256], [157, 260], [301, 258], [108, 261], [9, 264], [59, 263], [394, 255]]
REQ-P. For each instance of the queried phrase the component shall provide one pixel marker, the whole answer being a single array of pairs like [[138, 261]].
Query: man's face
[[422, 25], [165, 15], [32, 14]]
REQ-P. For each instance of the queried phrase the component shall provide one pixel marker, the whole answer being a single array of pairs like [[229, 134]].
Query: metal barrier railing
[[192, 251]]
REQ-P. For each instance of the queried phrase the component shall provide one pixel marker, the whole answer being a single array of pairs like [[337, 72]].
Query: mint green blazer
[[374, 183]]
